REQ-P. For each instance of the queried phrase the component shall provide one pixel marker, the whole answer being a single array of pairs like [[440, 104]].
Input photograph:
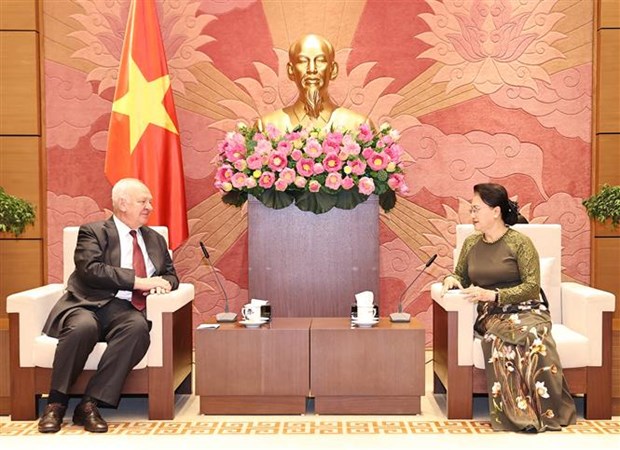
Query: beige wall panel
[[608, 159], [609, 14], [18, 15], [607, 268], [19, 83], [20, 175], [20, 267], [608, 81]]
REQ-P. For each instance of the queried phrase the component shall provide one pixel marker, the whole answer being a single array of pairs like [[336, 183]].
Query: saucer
[[252, 323], [365, 324]]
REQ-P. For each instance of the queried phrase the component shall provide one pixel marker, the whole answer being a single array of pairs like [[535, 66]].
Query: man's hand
[[154, 285]]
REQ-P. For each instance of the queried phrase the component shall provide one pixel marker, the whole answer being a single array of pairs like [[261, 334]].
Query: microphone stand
[[225, 316], [401, 316]]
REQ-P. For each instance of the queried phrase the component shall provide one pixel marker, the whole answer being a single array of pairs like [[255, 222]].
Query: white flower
[[384, 126], [521, 403], [241, 126], [534, 331], [514, 318], [541, 389]]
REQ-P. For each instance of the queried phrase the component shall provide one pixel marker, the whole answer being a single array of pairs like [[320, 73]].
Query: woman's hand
[[450, 283], [478, 294]]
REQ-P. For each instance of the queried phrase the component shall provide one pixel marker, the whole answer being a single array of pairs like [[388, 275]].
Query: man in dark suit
[[117, 263]]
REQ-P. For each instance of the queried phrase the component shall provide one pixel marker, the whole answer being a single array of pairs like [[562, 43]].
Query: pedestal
[[312, 265]]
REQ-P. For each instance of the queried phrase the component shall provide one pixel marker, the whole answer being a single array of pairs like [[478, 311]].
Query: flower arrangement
[[316, 169]]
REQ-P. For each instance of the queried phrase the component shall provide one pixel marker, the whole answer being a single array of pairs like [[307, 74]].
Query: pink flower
[[378, 161], [272, 132], [394, 151], [332, 163], [314, 186], [255, 161], [240, 165], [334, 138], [349, 146], [288, 175], [366, 186], [305, 167], [300, 182], [395, 181], [318, 168], [367, 152], [263, 147], [330, 147], [365, 133], [313, 148], [285, 147], [347, 183], [296, 155], [239, 180], [333, 180], [259, 137], [281, 185], [250, 183], [358, 167], [277, 161], [224, 173], [266, 180]]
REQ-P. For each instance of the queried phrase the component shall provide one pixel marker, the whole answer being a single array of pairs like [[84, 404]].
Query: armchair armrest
[[466, 316], [582, 311], [32, 307], [157, 306]]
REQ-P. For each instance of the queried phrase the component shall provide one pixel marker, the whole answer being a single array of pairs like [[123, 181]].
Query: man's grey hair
[[122, 188]]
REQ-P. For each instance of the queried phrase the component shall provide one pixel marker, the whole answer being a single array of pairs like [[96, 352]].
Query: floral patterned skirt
[[527, 390]]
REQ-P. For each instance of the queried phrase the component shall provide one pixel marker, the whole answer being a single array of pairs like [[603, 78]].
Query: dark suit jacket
[[98, 275]]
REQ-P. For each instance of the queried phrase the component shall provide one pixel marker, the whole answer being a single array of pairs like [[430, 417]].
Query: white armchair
[[166, 367], [581, 315]]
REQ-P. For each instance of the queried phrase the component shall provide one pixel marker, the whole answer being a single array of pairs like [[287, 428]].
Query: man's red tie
[[138, 300]]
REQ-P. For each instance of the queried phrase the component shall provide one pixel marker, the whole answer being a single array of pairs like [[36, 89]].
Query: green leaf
[[349, 199], [276, 199], [235, 198], [316, 202], [387, 200]]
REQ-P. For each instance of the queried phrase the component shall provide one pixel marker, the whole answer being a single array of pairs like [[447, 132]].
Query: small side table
[[378, 370], [254, 371]]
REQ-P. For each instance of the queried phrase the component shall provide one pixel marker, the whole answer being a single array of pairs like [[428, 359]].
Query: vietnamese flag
[[143, 139]]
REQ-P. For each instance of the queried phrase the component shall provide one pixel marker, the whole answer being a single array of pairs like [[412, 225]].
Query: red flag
[[143, 139]]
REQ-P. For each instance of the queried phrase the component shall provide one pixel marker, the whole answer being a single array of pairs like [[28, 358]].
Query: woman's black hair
[[493, 195]]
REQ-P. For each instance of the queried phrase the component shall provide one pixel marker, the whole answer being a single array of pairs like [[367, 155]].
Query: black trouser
[[118, 323]]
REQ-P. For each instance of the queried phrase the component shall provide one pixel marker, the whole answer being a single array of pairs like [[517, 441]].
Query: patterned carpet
[[302, 427]]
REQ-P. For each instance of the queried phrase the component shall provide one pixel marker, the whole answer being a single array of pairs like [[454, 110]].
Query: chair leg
[[23, 395]]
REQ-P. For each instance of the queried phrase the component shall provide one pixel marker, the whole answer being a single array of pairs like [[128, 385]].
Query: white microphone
[[401, 316], [225, 316]]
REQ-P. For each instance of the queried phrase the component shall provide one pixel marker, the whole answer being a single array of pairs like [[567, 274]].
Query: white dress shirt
[[127, 253]]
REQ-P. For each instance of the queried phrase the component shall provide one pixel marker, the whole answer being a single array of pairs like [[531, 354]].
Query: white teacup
[[366, 313], [251, 312], [364, 298]]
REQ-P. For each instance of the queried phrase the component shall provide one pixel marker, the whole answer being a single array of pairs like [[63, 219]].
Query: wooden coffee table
[[254, 371], [378, 370]]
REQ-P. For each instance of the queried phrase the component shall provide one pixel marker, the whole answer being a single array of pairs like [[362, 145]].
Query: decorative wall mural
[[481, 90]]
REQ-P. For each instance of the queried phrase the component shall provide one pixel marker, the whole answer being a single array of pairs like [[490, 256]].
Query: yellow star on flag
[[143, 103]]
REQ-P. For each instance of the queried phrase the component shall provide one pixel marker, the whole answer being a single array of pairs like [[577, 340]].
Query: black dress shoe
[[51, 420], [87, 414]]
